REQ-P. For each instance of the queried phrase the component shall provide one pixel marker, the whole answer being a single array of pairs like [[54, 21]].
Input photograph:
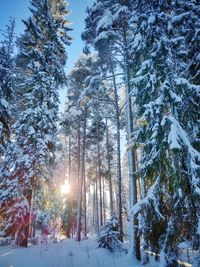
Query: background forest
[[122, 160]]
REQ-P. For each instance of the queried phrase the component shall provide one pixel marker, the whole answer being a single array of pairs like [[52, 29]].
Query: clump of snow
[[173, 137], [180, 192], [105, 22], [180, 17], [74, 112], [184, 245], [151, 19], [147, 199], [137, 40]]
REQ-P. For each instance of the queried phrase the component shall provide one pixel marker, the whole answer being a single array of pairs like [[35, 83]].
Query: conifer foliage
[[165, 92], [142, 82], [41, 62], [154, 44], [6, 84], [109, 237]]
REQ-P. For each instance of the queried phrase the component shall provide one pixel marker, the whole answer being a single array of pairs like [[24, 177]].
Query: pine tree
[[42, 58], [75, 119], [107, 30]]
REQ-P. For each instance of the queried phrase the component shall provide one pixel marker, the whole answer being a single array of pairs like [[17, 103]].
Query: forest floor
[[65, 253]]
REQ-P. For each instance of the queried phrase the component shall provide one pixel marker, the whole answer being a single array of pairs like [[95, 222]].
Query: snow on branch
[[150, 197], [105, 22], [178, 137], [177, 134]]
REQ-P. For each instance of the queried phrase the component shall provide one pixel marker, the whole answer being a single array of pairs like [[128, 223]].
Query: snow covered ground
[[66, 253]]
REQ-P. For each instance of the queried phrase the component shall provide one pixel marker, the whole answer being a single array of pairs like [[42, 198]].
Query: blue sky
[[19, 10]]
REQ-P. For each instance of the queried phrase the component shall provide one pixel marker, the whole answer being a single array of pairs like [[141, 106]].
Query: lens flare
[[65, 188]]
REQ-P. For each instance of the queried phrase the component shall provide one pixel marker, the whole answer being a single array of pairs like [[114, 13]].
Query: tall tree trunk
[[69, 159], [83, 173], [109, 170], [99, 175], [134, 243], [80, 185], [97, 203], [94, 206], [104, 204], [34, 226], [139, 182], [31, 216], [119, 175]]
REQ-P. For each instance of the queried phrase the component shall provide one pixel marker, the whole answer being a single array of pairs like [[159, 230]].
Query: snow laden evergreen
[[167, 100], [41, 61], [107, 26], [6, 84], [155, 47], [109, 237]]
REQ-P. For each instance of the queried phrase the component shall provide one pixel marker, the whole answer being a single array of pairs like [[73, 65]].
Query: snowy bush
[[109, 237]]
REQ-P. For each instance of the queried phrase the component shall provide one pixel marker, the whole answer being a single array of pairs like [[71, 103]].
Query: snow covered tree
[[166, 99], [42, 58], [6, 84], [88, 99], [7, 72], [107, 30], [109, 237]]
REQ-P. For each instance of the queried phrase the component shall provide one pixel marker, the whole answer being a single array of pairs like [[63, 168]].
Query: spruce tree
[[164, 94], [6, 84], [41, 57]]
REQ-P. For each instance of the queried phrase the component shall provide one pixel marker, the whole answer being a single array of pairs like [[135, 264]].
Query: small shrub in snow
[[109, 237]]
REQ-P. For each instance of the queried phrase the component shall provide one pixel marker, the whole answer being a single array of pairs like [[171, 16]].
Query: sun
[[65, 188]]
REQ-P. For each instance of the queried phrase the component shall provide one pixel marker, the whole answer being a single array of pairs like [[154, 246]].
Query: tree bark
[[83, 173], [94, 206], [134, 244], [97, 203], [80, 185], [99, 176], [104, 204], [119, 175], [109, 171]]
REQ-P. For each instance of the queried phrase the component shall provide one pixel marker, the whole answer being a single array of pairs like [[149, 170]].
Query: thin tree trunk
[[109, 170], [139, 183], [80, 185], [83, 174], [134, 243], [104, 205], [34, 226], [99, 175], [30, 216], [94, 206], [97, 203], [119, 175], [32, 223]]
